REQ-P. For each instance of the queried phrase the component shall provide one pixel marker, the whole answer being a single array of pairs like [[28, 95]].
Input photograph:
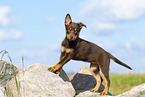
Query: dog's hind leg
[[95, 72], [105, 73]]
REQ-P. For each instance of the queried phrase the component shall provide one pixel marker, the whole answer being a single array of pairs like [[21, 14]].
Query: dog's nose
[[71, 37]]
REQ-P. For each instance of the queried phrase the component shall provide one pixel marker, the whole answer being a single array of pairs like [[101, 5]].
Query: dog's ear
[[81, 25], [68, 19]]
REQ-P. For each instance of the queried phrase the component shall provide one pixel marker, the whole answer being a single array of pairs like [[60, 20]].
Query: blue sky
[[35, 29]]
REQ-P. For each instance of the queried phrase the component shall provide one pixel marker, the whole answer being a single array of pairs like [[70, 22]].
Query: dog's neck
[[73, 44]]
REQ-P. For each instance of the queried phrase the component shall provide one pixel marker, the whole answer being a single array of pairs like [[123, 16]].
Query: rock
[[37, 81], [84, 81], [64, 76], [6, 72], [2, 92], [90, 94], [138, 91]]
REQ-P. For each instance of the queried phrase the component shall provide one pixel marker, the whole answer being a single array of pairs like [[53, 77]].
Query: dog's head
[[72, 29]]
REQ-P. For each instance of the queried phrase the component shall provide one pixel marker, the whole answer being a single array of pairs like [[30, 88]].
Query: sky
[[34, 30]]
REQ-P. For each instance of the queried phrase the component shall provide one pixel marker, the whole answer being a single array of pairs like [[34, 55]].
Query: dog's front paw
[[55, 69], [51, 69]]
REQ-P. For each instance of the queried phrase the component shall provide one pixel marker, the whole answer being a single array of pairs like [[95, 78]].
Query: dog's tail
[[119, 62]]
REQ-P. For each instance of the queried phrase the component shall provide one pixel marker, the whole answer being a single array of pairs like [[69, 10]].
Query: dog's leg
[[64, 58], [58, 67], [95, 71], [105, 73]]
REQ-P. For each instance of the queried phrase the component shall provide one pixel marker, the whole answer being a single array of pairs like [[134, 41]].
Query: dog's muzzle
[[71, 37]]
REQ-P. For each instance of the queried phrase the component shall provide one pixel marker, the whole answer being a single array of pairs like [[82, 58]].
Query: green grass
[[123, 82], [4, 52]]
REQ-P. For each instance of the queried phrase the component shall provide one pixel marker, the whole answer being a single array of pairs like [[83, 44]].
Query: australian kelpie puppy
[[76, 48]]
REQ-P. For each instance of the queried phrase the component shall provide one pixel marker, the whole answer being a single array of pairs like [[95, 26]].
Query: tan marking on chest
[[62, 49], [68, 50]]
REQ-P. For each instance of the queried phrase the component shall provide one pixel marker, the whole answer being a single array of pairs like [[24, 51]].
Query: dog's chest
[[80, 53]]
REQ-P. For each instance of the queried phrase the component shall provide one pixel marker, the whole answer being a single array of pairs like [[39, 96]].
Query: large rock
[[2, 92], [37, 81], [84, 81], [6, 72], [138, 91], [91, 94]]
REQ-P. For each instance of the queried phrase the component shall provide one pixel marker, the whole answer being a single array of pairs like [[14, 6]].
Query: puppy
[[76, 48]]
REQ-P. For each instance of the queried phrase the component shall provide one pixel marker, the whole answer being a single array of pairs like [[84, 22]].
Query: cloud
[[135, 46], [104, 15], [10, 35], [55, 47], [131, 52], [39, 55], [102, 28], [105, 44], [6, 17], [127, 9], [111, 10], [6, 20]]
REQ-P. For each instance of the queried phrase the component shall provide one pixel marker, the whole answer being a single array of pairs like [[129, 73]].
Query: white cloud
[[12, 34], [111, 10], [55, 47], [102, 28], [128, 9], [106, 45], [36, 55], [6, 17], [104, 15]]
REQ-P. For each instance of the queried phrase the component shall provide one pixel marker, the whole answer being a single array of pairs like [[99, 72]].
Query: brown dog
[[76, 48]]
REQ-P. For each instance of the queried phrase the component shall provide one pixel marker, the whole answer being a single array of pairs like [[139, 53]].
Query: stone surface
[[6, 72], [138, 91], [90, 94], [2, 91], [84, 81], [37, 81]]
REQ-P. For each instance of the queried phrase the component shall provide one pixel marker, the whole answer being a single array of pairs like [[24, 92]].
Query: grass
[[4, 52], [121, 83]]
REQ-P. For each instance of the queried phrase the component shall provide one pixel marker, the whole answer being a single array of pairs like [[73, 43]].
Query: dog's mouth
[[71, 37]]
